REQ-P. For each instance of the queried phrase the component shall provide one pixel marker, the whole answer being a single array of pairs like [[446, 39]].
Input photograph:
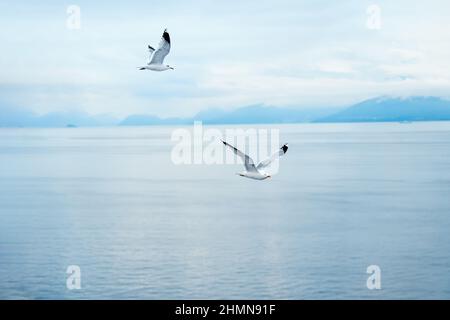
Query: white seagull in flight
[[256, 172], [156, 61]]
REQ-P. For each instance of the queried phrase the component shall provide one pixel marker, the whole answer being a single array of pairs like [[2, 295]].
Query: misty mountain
[[378, 109], [19, 117], [393, 109], [149, 120], [263, 114], [246, 115]]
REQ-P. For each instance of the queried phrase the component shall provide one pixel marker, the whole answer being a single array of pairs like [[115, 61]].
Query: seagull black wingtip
[[166, 36]]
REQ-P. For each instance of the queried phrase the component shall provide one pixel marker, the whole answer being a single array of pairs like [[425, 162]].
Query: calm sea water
[[111, 201]]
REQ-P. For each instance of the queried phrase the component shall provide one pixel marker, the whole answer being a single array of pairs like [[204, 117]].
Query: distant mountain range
[[380, 109], [18, 117], [246, 115], [385, 109]]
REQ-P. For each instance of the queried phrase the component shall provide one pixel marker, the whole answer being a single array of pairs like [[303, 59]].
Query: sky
[[226, 54]]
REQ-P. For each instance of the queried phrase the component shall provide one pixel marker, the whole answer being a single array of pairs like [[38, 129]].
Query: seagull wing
[[265, 163], [150, 51], [163, 50], [248, 162]]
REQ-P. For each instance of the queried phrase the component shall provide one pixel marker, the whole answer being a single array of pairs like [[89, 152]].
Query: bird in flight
[[256, 172], [156, 58]]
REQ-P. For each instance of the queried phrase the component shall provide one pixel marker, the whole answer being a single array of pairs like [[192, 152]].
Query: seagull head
[[172, 68]]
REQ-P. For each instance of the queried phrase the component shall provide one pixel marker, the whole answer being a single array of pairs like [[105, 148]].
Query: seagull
[[256, 172], [156, 61]]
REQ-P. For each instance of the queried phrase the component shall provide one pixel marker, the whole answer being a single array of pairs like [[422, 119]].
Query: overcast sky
[[226, 54]]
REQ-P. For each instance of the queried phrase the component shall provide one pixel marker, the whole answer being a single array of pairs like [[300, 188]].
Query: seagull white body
[[254, 175], [256, 172], [156, 58], [156, 67]]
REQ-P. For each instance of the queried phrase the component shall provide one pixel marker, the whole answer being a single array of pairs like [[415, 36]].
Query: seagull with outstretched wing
[[156, 58], [253, 171]]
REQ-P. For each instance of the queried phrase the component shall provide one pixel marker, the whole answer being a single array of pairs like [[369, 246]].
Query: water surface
[[111, 201]]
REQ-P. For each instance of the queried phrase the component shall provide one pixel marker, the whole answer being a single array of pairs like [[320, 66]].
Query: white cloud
[[287, 53]]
